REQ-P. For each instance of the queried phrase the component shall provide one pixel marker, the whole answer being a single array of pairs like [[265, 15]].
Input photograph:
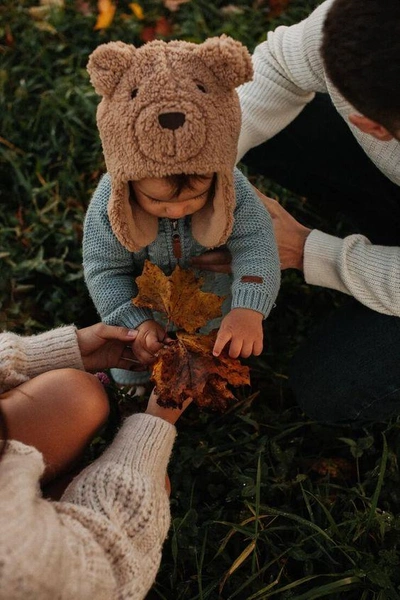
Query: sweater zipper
[[176, 241]]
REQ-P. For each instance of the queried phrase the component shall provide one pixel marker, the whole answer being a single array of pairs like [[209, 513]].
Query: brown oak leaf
[[178, 296], [187, 369]]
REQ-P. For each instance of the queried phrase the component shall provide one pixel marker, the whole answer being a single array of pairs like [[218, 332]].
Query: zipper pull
[[176, 241]]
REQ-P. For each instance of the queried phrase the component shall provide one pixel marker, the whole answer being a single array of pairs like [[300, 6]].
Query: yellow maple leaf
[[178, 296], [106, 10], [137, 10]]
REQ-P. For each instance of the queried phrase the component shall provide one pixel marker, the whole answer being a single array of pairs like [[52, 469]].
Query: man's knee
[[348, 369]]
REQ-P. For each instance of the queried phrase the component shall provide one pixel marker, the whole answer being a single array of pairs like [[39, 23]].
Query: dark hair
[[361, 53], [183, 181]]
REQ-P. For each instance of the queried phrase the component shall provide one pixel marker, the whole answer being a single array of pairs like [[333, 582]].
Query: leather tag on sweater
[[251, 279]]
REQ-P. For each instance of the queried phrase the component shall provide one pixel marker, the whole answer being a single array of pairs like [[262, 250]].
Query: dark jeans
[[348, 370]]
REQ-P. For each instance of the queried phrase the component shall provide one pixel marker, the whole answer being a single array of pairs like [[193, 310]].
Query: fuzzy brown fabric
[[170, 108]]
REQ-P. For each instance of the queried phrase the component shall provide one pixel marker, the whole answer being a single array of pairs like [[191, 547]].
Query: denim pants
[[348, 370]]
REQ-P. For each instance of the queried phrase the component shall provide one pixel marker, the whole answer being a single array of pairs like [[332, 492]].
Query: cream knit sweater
[[103, 541], [288, 71]]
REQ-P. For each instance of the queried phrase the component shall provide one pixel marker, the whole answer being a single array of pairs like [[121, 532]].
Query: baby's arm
[[109, 268], [256, 273]]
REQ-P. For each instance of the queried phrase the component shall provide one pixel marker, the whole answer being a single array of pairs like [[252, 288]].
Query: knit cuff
[[54, 349], [130, 319], [145, 442], [321, 259], [22, 358], [249, 297]]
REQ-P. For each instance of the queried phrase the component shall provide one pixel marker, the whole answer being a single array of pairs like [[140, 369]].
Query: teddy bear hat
[[166, 109]]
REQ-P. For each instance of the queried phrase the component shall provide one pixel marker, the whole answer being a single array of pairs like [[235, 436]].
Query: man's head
[[361, 53]]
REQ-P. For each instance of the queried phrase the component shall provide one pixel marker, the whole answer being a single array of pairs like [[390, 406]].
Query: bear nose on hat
[[171, 120]]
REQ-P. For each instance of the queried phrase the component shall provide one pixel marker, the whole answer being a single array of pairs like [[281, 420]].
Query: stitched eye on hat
[[201, 87], [134, 93]]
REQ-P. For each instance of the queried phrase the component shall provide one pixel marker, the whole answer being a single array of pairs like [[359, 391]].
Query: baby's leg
[[58, 412]]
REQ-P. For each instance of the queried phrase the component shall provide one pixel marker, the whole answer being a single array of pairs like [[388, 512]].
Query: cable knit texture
[[23, 357], [288, 71], [110, 269], [103, 540]]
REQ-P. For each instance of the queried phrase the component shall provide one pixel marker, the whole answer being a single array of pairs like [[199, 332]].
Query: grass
[[266, 503]]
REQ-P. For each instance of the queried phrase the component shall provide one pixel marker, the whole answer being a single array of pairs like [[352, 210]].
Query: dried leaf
[[187, 369], [277, 7], [106, 10], [178, 296], [137, 10], [337, 468]]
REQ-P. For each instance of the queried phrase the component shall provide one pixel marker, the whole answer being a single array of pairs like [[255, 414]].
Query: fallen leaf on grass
[[106, 10]]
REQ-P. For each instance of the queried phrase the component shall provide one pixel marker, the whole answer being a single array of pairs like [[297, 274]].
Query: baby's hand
[[243, 328], [150, 339]]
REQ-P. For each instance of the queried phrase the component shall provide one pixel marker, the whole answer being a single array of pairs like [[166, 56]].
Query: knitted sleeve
[[104, 539], [255, 259], [354, 266], [109, 268], [22, 358], [288, 70]]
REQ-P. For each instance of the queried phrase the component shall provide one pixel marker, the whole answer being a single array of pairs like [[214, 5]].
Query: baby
[[169, 122]]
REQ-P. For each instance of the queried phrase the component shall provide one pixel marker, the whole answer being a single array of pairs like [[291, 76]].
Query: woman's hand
[[105, 346], [168, 414], [218, 261]]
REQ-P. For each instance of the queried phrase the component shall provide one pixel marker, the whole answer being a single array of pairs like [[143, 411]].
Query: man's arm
[[288, 70], [352, 265]]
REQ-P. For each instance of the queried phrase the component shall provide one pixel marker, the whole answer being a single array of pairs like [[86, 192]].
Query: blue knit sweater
[[110, 270]]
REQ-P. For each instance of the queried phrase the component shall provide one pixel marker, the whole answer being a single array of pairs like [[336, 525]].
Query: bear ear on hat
[[107, 64], [228, 59]]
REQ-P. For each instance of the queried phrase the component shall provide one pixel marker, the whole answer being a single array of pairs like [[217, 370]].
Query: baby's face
[[156, 197]]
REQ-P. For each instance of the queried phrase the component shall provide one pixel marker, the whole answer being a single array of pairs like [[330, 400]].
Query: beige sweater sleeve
[[22, 358], [104, 539], [355, 266], [288, 70]]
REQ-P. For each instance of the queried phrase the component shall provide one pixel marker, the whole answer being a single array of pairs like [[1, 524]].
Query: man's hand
[[218, 261], [242, 327], [290, 237], [150, 339], [290, 234], [104, 346]]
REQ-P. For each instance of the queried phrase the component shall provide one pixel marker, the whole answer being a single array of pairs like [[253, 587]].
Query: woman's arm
[[22, 358], [104, 539]]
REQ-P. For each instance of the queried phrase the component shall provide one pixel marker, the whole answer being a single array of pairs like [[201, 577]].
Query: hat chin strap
[[212, 224], [136, 229]]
